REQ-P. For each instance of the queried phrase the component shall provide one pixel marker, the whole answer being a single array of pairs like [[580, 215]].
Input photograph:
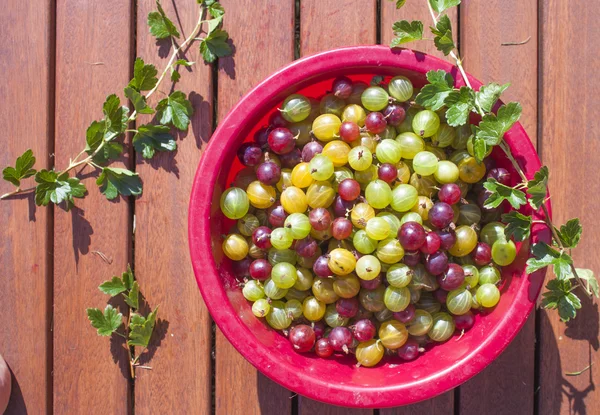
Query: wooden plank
[[569, 146], [484, 29], [93, 60], [180, 381], [327, 25], [27, 51], [263, 37], [416, 10], [412, 10], [441, 405]]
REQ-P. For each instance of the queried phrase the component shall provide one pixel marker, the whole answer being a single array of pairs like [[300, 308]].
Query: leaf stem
[[16, 192], [130, 360]]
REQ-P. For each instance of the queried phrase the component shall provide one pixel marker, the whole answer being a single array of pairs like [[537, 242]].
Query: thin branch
[[516, 43], [18, 191]]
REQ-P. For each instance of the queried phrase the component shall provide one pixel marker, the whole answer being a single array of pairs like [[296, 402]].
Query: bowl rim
[[206, 271]]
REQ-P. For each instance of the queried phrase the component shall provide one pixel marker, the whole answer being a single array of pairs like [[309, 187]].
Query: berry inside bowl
[[337, 380]]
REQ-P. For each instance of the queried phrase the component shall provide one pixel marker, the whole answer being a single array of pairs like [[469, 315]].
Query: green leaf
[[488, 94], [113, 287], [175, 110], [215, 46], [570, 233], [141, 329], [518, 226], [151, 138], [114, 181], [144, 76], [213, 24], [545, 255], [160, 25], [589, 279], [22, 170], [128, 278], [183, 62], [175, 75], [106, 323], [216, 9], [538, 187], [493, 127], [460, 103], [94, 136], [480, 149], [132, 298], [433, 95], [115, 117], [138, 100], [441, 6], [406, 31], [57, 189], [399, 3], [500, 192], [443, 35], [377, 80]]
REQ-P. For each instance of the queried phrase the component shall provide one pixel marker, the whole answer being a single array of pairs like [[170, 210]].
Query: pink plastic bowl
[[337, 380]]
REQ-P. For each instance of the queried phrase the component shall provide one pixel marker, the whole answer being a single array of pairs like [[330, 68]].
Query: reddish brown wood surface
[[412, 10], [485, 27], [27, 54], [263, 38], [570, 147], [181, 363], [441, 405], [93, 60], [321, 28]]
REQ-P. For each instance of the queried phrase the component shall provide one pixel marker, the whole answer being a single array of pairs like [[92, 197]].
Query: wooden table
[[60, 59]]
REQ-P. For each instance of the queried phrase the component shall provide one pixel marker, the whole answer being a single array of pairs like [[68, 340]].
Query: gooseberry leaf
[[493, 127], [406, 31], [544, 255], [500, 193], [144, 76], [441, 6], [132, 297], [518, 226], [94, 136], [433, 95], [480, 149], [114, 181], [115, 117], [538, 187], [113, 287], [106, 322], [443, 35], [57, 189], [22, 170], [488, 94], [216, 9], [589, 280], [560, 297], [141, 329], [161, 27], [138, 100], [215, 45], [460, 102], [151, 138], [570, 233]]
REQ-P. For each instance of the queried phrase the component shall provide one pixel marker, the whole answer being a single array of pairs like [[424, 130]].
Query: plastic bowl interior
[[337, 380]]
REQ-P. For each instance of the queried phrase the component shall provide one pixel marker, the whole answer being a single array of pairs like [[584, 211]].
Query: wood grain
[[485, 26], [327, 25], [93, 60], [413, 10], [441, 405], [180, 381], [570, 147], [27, 52], [262, 32]]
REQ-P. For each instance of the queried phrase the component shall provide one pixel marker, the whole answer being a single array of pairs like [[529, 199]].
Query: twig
[[16, 192], [580, 372], [516, 43], [103, 257]]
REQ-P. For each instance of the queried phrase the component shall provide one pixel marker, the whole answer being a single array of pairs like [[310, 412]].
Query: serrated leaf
[[215, 46], [57, 189], [460, 103], [141, 329], [537, 188], [559, 296], [377, 80], [22, 170], [493, 127], [132, 298], [518, 226], [175, 110], [488, 95], [144, 76], [106, 322], [115, 117], [480, 149], [545, 255], [443, 35], [183, 62], [138, 100], [114, 181], [94, 136], [589, 279], [570, 233], [441, 6], [500, 193], [151, 138], [113, 287], [175, 75], [399, 3], [213, 24], [216, 9], [161, 26], [128, 278], [406, 31], [433, 95]]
